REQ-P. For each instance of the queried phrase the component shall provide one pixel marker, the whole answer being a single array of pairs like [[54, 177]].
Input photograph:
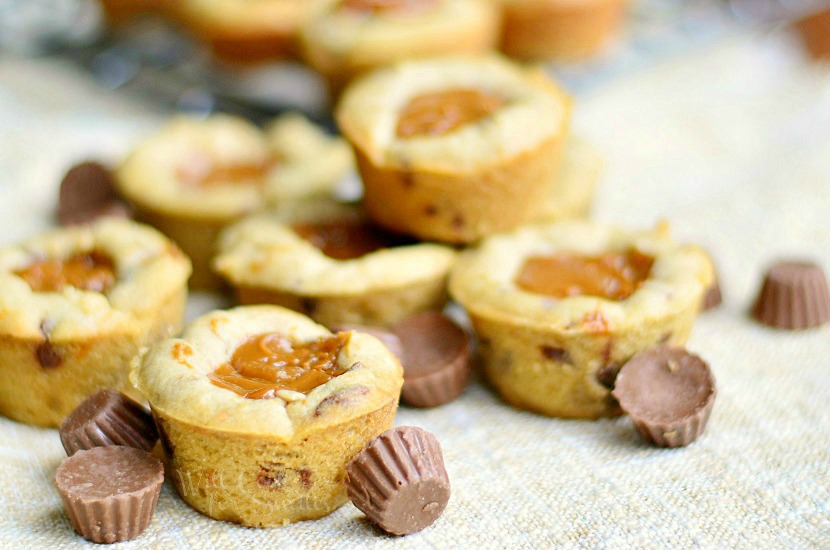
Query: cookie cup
[[462, 185], [58, 348], [342, 43], [560, 30], [266, 261], [247, 168], [246, 31], [264, 462], [560, 357]]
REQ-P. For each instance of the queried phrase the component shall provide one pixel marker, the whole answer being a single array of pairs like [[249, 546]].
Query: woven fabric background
[[732, 145]]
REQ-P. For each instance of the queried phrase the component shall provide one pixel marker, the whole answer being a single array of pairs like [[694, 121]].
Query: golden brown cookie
[[260, 410], [561, 30], [559, 308], [328, 261], [196, 177], [453, 149], [78, 304], [344, 39], [246, 31]]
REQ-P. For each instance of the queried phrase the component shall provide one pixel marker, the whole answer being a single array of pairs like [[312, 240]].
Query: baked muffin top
[[84, 281], [177, 375], [634, 276], [370, 31], [286, 249], [222, 167], [519, 108], [240, 15]]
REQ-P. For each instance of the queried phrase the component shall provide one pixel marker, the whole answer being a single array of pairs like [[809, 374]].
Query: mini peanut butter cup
[[110, 493], [389, 339], [794, 295], [668, 393], [108, 418], [399, 480], [814, 30], [87, 193], [436, 359]]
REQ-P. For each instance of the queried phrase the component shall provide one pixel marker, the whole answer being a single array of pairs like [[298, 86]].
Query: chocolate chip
[[271, 480], [457, 222], [308, 305], [556, 354], [430, 210], [305, 478], [607, 375], [341, 399], [47, 356], [407, 178]]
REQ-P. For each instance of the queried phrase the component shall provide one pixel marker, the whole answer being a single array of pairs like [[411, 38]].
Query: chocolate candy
[[110, 493], [87, 193], [389, 339], [436, 359], [814, 30], [668, 393], [399, 480], [794, 296], [713, 297], [108, 418]]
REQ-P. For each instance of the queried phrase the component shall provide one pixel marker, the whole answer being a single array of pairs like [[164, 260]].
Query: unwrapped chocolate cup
[[668, 393], [110, 493], [794, 295], [399, 480], [105, 419], [436, 359]]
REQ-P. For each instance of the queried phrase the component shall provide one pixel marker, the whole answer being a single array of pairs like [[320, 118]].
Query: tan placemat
[[732, 146]]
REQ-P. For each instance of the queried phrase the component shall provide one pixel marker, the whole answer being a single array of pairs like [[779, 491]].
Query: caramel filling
[[268, 363], [86, 271], [440, 113], [614, 276], [347, 240], [206, 176], [388, 6]]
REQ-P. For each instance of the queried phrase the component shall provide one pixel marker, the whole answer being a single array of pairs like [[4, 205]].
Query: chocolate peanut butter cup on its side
[[87, 192], [399, 480], [436, 359], [110, 493], [105, 419], [668, 393], [794, 296]]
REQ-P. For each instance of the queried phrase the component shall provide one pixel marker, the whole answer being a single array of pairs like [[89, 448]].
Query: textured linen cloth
[[732, 145]]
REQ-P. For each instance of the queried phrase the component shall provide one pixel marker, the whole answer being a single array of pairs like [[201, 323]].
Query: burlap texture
[[732, 146]]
